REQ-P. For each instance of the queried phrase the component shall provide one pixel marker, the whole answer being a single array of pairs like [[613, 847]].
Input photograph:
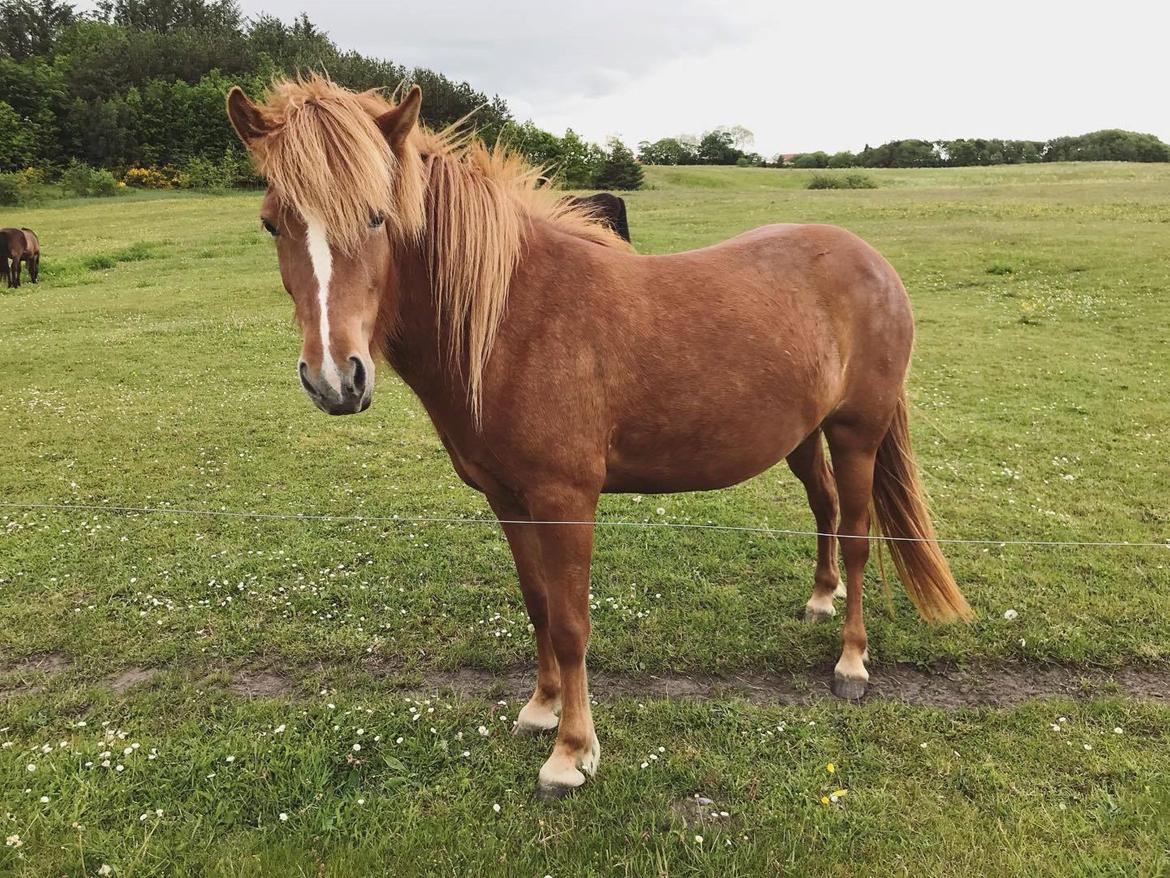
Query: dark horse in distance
[[606, 207], [19, 246]]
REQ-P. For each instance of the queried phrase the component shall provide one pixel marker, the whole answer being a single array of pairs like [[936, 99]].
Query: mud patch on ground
[[126, 680], [261, 684], [979, 684], [26, 676]]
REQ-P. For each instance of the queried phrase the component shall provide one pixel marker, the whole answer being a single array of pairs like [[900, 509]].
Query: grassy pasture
[[154, 366]]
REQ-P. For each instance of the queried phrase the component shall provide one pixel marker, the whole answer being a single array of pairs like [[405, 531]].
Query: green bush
[[12, 189], [841, 181], [201, 173], [80, 179]]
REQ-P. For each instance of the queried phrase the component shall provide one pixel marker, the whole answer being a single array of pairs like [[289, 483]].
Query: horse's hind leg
[[542, 711], [854, 448], [809, 464]]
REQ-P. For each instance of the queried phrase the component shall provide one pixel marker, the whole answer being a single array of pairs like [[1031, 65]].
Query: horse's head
[[344, 188]]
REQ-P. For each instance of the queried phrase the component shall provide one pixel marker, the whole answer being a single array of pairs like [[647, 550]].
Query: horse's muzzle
[[352, 394]]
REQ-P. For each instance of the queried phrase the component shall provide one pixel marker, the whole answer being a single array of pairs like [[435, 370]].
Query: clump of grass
[[136, 252], [841, 181], [100, 262], [997, 268]]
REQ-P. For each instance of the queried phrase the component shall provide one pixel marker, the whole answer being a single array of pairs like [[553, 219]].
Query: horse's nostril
[[359, 376], [303, 371]]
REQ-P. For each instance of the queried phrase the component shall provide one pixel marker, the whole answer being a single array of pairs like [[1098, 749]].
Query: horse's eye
[[376, 222], [269, 227]]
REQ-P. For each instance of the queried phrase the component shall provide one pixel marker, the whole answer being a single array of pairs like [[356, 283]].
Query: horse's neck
[[415, 339]]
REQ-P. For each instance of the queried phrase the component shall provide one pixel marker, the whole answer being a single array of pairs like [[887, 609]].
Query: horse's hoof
[[536, 719], [848, 689], [551, 792], [522, 730], [812, 615]]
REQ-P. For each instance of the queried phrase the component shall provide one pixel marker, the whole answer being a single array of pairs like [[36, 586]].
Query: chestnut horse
[[556, 364]]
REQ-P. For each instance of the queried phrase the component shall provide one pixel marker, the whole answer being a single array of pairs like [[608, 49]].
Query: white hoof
[[562, 774], [819, 607], [535, 718], [851, 668], [840, 591]]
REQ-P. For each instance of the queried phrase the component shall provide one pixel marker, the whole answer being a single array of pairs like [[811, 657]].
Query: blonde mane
[[468, 205]]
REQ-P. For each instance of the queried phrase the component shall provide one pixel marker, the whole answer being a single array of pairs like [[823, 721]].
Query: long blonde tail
[[903, 514]]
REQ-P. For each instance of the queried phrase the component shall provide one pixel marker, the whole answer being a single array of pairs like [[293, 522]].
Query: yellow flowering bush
[[150, 178]]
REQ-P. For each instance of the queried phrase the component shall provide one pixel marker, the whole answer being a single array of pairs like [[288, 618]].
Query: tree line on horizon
[[723, 147]]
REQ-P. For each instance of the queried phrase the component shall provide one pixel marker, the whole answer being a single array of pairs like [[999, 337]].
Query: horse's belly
[[703, 456]]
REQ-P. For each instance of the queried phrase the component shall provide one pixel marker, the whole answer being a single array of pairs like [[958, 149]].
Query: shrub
[[841, 181], [12, 189], [80, 179], [201, 173], [816, 159], [240, 171], [149, 178], [33, 177]]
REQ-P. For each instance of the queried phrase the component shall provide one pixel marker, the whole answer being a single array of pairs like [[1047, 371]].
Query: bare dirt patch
[[980, 684], [261, 684], [126, 680], [26, 676]]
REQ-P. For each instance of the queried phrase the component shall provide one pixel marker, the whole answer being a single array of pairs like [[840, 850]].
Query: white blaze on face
[[321, 257]]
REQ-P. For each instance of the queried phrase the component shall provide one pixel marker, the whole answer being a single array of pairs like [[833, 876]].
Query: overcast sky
[[801, 75]]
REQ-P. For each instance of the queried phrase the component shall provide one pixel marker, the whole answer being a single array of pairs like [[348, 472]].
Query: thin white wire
[[397, 519]]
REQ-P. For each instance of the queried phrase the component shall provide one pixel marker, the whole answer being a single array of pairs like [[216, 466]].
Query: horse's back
[[732, 354], [13, 242], [32, 244]]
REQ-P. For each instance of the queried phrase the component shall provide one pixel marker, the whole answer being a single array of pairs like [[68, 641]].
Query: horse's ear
[[397, 124], [246, 117]]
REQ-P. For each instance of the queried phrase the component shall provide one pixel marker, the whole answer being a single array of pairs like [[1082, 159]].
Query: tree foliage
[[142, 82], [619, 170], [721, 146], [1110, 145]]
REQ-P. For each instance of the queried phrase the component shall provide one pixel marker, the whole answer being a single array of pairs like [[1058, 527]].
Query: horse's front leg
[[541, 712], [565, 554]]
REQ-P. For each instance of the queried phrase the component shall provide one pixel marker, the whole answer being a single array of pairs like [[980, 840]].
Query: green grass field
[[240, 661]]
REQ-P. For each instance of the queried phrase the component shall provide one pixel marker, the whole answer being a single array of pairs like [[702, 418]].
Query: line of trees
[[140, 84], [721, 146], [1109, 145]]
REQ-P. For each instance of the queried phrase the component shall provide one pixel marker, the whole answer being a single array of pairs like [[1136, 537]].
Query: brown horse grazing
[[607, 208], [12, 246], [556, 364], [32, 254]]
